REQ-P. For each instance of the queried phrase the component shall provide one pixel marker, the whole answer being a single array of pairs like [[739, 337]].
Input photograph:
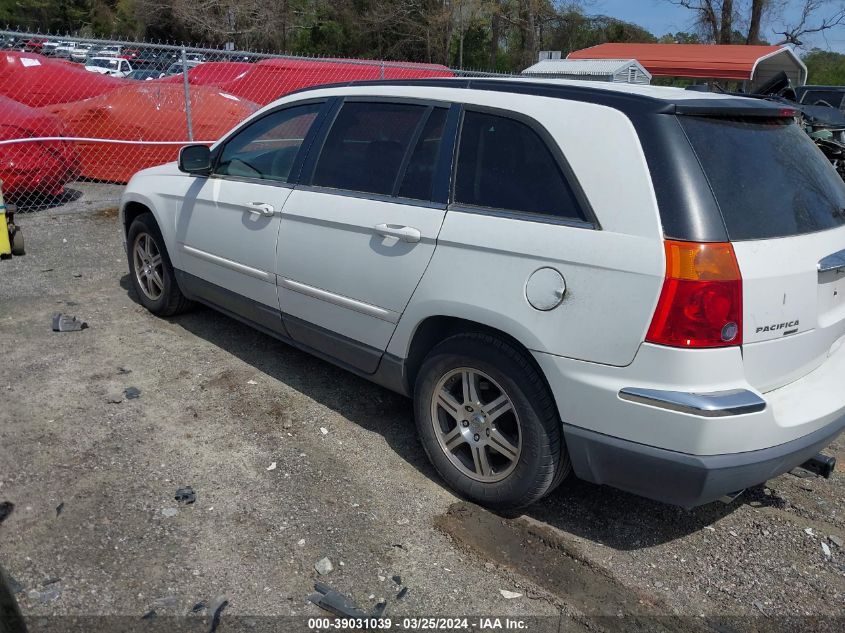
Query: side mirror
[[195, 159]]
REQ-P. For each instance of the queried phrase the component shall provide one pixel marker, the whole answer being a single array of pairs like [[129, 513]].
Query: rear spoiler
[[739, 107]]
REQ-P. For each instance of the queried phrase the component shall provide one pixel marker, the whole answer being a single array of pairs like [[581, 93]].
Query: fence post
[[187, 95], [382, 70]]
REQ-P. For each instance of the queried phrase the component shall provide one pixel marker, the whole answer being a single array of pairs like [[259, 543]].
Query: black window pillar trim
[[306, 174], [447, 153], [409, 151]]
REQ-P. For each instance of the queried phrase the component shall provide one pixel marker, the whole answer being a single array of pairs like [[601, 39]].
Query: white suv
[[643, 285]]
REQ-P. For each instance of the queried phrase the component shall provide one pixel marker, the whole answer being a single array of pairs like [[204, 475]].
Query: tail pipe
[[821, 465]]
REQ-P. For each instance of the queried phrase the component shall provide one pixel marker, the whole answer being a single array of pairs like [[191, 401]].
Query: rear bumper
[[683, 479]]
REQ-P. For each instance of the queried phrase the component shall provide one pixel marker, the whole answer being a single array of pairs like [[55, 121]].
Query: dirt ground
[[293, 460]]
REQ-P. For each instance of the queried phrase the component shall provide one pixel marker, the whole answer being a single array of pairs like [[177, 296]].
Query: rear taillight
[[701, 301]]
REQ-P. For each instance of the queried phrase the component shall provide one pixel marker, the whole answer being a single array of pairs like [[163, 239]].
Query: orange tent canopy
[[706, 61]]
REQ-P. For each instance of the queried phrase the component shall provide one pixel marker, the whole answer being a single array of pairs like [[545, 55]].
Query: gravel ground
[[96, 530]]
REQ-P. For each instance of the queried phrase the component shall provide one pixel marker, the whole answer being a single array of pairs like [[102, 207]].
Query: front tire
[[150, 270], [488, 422]]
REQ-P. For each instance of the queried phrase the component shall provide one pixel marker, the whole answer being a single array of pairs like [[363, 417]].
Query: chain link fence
[[79, 116]]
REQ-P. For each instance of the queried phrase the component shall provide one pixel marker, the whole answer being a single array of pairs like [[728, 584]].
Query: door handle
[[260, 208], [404, 233]]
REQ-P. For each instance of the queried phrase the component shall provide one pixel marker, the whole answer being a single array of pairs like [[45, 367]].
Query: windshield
[[103, 63], [769, 178]]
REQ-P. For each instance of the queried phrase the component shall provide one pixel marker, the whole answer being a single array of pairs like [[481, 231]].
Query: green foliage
[[825, 68]]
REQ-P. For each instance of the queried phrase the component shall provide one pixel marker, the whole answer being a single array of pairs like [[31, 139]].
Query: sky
[[661, 17]]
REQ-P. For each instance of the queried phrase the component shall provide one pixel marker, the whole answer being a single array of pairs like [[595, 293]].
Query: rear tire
[[488, 422], [150, 270]]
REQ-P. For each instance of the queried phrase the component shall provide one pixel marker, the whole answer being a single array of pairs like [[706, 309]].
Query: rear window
[[769, 178]]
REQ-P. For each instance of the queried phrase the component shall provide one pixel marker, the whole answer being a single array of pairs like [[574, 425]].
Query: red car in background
[[41, 167], [34, 45]]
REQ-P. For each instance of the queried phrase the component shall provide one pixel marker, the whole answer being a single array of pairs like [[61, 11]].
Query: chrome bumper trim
[[709, 405]]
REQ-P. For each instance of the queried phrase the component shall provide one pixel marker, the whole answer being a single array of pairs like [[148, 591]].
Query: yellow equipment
[[11, 238]]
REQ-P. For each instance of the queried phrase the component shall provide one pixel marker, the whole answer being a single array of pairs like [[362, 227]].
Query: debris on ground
[[216, 608], [186, 495], [123, 371], [14, 585], [826, 550], [335, 602], [60, 508], [759, 606], [251, 382], [199, 606], [324, 566], [46, 596], [149, 615], [67, 323], [115, 398], [272, 466], [397, 579], [170, 512], [301, 542], [131, 393], [167, 602], [51, 581], [6, 508], [402, 593], [836, 541], [324, 430], [509, 595]]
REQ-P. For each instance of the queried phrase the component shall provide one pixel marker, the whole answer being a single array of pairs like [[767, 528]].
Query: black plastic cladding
[[688, 209]]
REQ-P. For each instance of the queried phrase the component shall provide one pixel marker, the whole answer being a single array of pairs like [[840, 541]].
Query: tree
[[718, 20], [810, 22], [825, 67]]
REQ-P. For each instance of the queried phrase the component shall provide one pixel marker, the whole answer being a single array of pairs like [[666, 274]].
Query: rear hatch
[[783, 206]]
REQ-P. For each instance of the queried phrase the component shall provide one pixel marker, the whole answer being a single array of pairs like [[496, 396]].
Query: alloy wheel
[[476, 424], [148, 266]]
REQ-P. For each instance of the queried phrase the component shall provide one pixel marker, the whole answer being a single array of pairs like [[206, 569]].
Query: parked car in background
[[832, 96], [653, 299], [50, 46], [10, 42], [106, 51], [178, 68], [34, 45], [81, 53], [65, 49], [130, 53], [111, 66], [144, 74], [151, 59]]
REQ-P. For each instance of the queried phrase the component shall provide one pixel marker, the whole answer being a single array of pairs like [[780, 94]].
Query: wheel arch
[[131, 210], [434, 329]]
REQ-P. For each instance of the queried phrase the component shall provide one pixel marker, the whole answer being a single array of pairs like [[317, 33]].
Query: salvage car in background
[[34, 169]]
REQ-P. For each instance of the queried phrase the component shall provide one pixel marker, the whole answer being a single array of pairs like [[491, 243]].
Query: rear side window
[[267, 148], [768, 177], [366, 145], [504, 164]]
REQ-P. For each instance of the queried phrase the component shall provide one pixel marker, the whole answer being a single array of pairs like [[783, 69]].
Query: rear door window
[[768, 177], [366, 146], [505, 164]]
